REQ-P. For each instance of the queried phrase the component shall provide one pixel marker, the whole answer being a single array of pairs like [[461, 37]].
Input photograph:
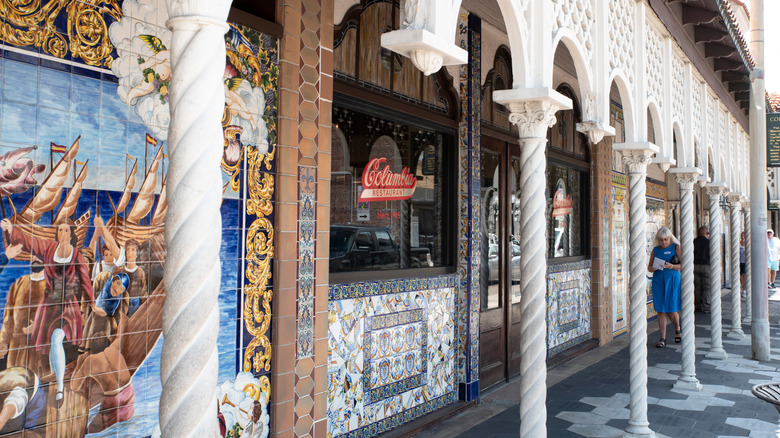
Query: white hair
[[664, 232]]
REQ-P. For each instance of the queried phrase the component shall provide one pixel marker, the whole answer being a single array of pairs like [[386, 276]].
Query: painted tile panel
[[569, 311], [391, 354], [83, 140]]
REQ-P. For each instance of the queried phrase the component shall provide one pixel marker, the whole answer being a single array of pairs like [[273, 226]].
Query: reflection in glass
[[489, 229], [514, 229]]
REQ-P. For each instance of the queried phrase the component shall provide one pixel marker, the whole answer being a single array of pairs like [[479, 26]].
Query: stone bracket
[[427, 51], [595, 130], [664, 162]]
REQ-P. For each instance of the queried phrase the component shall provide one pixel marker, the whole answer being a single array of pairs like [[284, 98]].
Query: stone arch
[[621, 83], [710, 165], [654, 121], [681, 153], [584, 73]]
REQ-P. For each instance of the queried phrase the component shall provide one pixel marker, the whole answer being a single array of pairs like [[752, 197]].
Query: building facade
[[384, 209]]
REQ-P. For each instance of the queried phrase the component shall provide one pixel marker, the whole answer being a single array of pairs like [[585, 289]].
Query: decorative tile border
[[366, 289], [307, 178], [565, 267], [402, 418]]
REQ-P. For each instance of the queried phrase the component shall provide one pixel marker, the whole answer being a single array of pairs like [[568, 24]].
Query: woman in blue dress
[[666, 283]]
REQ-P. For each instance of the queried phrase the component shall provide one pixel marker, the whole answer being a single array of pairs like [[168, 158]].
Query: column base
[[736, 333], [717, 353], [747, 320], [688, 383], [638, 431], [760, 340]]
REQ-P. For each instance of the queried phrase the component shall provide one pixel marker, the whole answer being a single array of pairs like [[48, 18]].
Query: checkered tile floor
[[593, 402]]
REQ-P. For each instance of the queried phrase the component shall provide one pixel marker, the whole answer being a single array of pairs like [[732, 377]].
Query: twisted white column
[[637, 161], [533, 118], [193, 228], [687, 379], [736, 304], [748, 282], [716, 322]]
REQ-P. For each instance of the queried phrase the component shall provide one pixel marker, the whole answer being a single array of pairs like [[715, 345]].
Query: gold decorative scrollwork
[[259, 253], [32, 23]]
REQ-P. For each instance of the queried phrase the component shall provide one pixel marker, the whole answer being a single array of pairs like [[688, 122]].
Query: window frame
[[355, 99]]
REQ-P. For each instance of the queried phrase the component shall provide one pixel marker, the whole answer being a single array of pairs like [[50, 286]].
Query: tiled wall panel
[[392, 353], [569, 310]]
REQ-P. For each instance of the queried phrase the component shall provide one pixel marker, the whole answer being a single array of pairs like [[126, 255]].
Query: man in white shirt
[[773, 255]]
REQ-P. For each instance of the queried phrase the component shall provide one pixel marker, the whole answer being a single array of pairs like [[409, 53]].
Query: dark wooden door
[[500, 263]]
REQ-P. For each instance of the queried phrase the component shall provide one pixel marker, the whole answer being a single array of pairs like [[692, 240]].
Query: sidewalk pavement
[[588, 397]]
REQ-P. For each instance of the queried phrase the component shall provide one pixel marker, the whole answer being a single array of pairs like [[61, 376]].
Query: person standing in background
[[773, 256], [701, 271], [742, 263]]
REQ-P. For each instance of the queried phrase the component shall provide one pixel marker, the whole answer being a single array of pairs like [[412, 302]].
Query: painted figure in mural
[[701, 270], [113, 254], [23, 400], [156, 70], [26, 292], [106, 366], [16, 171], [101, 324], [67, 283], [137, 290], [665, 266]]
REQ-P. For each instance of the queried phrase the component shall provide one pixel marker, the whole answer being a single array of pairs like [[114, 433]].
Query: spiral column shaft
[[533, 118], [716, 224], [736, 299], [748, 265], [190, 318], [637, 161], [687, 379]]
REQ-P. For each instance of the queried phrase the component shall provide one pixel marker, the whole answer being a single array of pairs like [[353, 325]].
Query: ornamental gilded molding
[[533, 118], [34, 23]]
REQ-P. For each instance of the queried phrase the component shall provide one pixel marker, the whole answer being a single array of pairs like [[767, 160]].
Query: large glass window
[[568, 183], [564, 205], [389, 206]]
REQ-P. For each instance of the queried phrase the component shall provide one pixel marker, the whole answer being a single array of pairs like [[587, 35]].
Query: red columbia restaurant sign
[[382, 184]]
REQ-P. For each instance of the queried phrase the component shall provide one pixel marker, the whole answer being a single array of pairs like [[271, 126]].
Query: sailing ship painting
[[83, 156], [83, 307]]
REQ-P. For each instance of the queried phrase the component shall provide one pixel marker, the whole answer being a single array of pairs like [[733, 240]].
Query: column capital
[[532, 110], [211, 10], [686, 176], [637, 155], [715, 189], [735, 200]]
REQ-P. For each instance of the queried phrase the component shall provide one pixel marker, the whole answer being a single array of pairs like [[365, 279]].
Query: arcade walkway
[[588, 397]]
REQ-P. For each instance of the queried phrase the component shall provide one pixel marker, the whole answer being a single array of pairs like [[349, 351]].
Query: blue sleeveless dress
[[666, 283]]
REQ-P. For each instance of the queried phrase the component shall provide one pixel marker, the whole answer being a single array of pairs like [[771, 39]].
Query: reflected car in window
[[360, 247], [493, 263]]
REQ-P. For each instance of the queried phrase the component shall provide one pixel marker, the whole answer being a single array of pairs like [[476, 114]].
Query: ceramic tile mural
[[83, 139], [619, 254], [391, 353], [569, 310]]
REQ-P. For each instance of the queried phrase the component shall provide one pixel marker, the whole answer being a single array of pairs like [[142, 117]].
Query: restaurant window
[[568, 184], [390, 202]]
